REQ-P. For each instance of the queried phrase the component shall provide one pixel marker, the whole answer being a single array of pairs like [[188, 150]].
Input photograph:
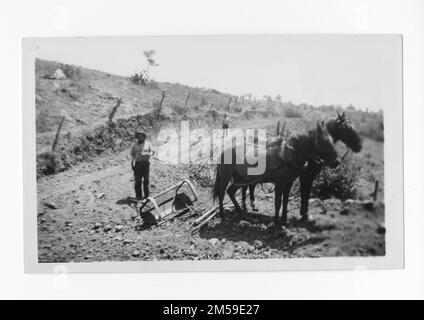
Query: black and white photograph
[[213, 147]]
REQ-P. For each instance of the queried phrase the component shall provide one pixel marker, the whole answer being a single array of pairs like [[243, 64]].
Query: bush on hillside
[[71, 72], [49, 163], [180, 110], [292, 112], [337, 183]]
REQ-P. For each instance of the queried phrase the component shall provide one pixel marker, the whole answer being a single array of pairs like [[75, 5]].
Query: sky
[[365, 71]]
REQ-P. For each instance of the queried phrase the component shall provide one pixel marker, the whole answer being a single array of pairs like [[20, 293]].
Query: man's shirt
[[141, 151]]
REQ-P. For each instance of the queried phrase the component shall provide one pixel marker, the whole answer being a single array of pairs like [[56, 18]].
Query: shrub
[[49, 163], [338, 183], [292, 112], [138, 78], [71, 72], [180, 110]]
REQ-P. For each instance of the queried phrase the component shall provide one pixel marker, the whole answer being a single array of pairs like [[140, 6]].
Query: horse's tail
[[217, 185]]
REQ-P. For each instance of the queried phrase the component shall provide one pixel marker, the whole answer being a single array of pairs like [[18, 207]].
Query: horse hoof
[[307, 219]]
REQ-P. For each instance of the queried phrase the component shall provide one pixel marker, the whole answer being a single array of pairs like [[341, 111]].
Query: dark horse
[[285, 162], [340, 129]]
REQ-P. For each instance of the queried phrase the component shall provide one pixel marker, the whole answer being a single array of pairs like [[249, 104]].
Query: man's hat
[[140, 133]]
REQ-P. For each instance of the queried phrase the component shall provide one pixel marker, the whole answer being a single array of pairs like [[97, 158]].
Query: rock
[[97, 226], [214, 241], [50, 205], [118, 228], [243, 224], [368, 205], [258, 244], [268, 254], [227, 253], [107, 228], [58, 75], [322, 210], [344, 211], [101, 196], [331, 203], [242, 245], [117, 239], [127, 241], [381, 229], [81, 230], [349, 202], [315, 202], [263, 228]]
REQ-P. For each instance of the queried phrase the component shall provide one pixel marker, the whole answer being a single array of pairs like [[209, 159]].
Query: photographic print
[[213, 148]]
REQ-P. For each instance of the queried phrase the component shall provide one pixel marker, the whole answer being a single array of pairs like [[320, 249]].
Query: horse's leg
[[243, 198], [232, 194], [306, 181], [277, 202], [223, 185], [286, 194], [252, 197]]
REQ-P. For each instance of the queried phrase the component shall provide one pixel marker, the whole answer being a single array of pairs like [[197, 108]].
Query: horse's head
[[324, 146], [343, 129]]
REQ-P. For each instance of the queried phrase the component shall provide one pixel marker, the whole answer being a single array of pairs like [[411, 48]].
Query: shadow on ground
[[256, 228]]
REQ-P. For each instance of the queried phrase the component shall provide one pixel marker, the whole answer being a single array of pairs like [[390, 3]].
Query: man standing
[[140, 164], [225, 126]]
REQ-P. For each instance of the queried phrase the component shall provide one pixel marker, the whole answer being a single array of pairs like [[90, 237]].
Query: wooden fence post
[[112, 113], [161, 101], [56, 138], [375, 190], [229, 102], [188, 97]]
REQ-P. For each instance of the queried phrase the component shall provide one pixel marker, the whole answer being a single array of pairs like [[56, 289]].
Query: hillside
[[88, 96]]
